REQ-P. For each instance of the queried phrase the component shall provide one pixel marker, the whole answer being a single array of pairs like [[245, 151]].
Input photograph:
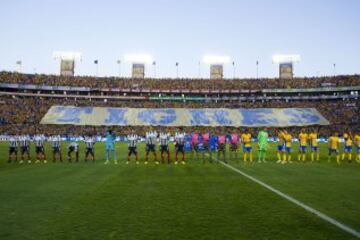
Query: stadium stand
[[25, 98]]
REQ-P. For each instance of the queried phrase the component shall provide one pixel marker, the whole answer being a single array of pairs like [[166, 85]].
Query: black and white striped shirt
[[24, 141], [151, 138], [12, 142], [73, 145], [180, 138], [39, 140], [55, 141], [164, 139], [90, 142], [132, 140]]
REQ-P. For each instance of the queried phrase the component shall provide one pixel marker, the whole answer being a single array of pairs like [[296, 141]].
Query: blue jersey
[[110, 141], [213, 142], [187, 145]]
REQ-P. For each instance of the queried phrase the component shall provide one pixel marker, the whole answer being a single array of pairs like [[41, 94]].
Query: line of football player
[[201, 146]]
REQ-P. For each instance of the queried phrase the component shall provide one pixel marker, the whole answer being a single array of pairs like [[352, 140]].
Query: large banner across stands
[[104, 116]]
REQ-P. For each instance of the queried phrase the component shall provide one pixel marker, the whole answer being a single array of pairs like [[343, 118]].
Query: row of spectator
[[177, 84], [23, 114]]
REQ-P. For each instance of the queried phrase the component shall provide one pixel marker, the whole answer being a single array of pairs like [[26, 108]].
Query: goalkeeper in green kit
[[263, 145]]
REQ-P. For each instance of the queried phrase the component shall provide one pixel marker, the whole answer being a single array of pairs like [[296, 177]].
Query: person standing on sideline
[[110, 146], [221, 147], [263, 137]]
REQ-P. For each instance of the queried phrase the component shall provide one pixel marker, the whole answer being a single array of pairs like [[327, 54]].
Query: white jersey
[[39, 140], [151, 138], [73, 145], [12, 141], [164, 139], [90, 142], [55, 141], [180, 138], [24, 141], [132, 140]]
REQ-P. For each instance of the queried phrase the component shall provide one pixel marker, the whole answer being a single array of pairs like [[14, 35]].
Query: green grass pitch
[[192, 201]]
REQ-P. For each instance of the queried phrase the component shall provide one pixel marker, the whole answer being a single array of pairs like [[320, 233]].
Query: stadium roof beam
[[286, 62], [67, 61], [216, 65]]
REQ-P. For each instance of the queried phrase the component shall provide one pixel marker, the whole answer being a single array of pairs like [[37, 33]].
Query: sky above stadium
[[323, 32]]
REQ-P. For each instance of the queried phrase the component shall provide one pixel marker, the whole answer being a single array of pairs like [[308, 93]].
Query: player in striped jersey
[[12, 149], [56, 147], [164, 146], [150, 139], [89, 142], [25, 148], [39, 148], [132, 141], [179, 145], [73, 147]]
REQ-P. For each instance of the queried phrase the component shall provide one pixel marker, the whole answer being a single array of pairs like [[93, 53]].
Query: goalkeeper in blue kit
[[110, 146]]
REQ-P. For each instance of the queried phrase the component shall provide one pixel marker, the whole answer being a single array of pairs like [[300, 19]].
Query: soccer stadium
[[205, 138]]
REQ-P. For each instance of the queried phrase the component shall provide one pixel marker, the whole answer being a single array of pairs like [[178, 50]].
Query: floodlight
[[286, 58], [216, 59], [67, 55], [139, 58]]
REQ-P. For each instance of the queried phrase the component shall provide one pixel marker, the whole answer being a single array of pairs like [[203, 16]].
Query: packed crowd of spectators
[[23, 114], [178, 84]]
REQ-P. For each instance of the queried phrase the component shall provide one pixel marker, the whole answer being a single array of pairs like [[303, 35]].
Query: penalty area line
[[297, 202]]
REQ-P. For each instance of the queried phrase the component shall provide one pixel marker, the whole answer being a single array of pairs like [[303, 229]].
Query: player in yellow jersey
[[281, 146], [247, 149], [333, 142], [357, 143], [303, 141], [313, 137], [347, 147], [288, 144]]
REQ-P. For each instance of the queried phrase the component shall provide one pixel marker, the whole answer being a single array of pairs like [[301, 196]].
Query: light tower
[[216, 65], [286, 62], [67, 61], [138, 62]]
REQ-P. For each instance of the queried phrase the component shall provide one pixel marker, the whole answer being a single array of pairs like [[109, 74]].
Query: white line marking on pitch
[[297, 202]]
